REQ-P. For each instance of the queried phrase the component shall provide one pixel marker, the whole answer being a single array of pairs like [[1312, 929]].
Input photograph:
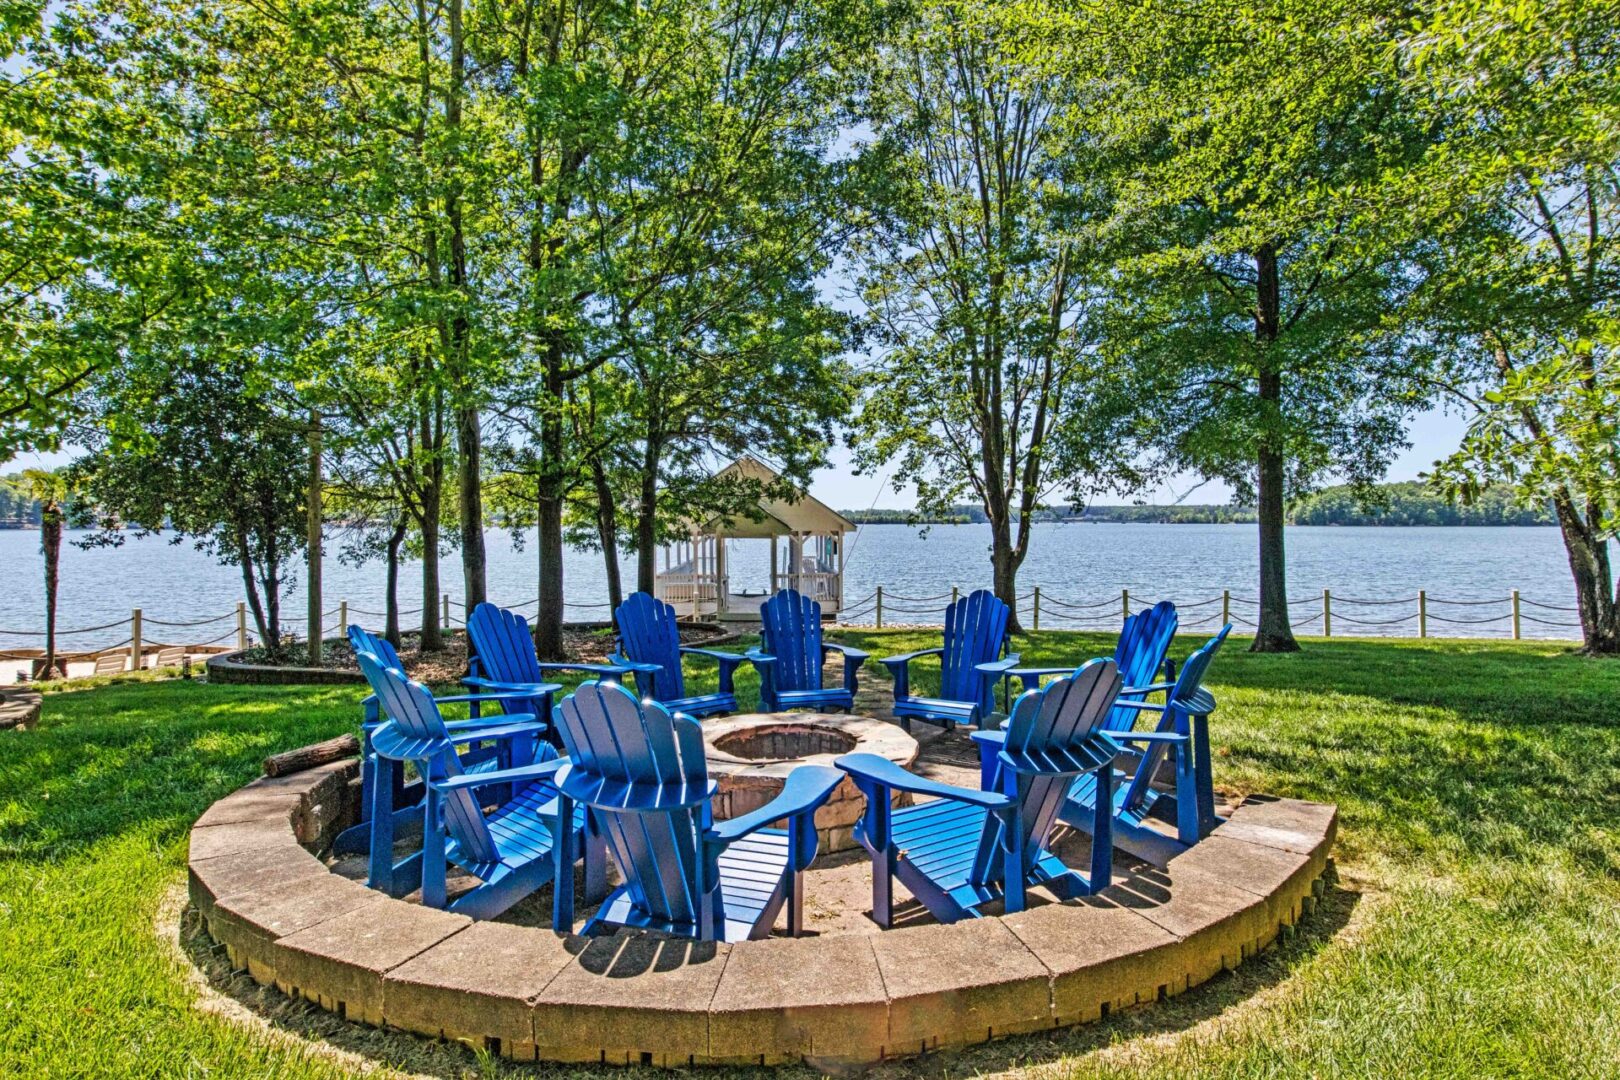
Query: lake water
[[1071, 563]]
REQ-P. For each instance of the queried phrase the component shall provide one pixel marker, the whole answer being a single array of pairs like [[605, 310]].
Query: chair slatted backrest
[[362, 640], [1144, 642], [790, 624], [649, 634], [1049, 723], [975, 633], [411, 709], [1187, 698], [646, 765], [503, 649]]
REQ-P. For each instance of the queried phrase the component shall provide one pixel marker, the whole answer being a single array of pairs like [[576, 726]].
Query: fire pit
[[750, 756]]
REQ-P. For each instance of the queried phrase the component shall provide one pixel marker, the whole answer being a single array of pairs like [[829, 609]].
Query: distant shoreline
[[1386, 505], [861, 517]]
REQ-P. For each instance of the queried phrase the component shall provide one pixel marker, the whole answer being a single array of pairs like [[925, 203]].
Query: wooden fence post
[[241, 624], [1226, 606], [1515, 614], [1125, 602], [1423, 613], [880, 607], [1327, 614], [446, 606], [1037, 607], [135, 640], [954, 593], [343, 617]]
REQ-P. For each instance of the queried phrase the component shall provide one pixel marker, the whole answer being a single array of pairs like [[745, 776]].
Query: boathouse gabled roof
[[805, 515]]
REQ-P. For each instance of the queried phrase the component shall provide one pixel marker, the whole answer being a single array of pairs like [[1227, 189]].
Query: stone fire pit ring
[[837, 1001], [750, 756]]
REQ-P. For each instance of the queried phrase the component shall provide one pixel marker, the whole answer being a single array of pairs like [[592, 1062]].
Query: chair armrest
[[593, 669], [1148, 736], [493, 732], [470, 729], [714, 654], [544, 771], [495, 686], [880, 770], [637, 666], [760, 659], [998, 668], [906, 658], [531, 690], [1153, 689], [1151, 706], [849, 651], [803, 792], [1038, 672]]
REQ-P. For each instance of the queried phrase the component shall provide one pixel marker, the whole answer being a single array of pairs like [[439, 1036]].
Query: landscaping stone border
[[19, 709], [632, 998]]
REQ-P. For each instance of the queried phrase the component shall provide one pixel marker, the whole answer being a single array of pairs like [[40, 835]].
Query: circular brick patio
[[629, 998]]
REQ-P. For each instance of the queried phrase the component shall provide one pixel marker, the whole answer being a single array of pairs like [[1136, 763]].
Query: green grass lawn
[[1474, 929]]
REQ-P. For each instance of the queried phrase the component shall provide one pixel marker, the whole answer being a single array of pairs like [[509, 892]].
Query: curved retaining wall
[[529, 993]]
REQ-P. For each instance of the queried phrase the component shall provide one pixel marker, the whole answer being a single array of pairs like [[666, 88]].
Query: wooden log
[[307, 757]]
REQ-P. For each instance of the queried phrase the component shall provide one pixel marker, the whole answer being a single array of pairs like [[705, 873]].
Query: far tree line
[[443, 267], [1403, 503]]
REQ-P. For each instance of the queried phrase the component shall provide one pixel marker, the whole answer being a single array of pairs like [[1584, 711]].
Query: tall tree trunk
[[312, 573], [552, 492], [470, 508], [250, 587], [1588, 554], [1004, 569], [607, 531], [469, 434], [50, 545], [1273, 633], [432, 634], [396, 540], [647, 518], [549, 617], [270, 582]]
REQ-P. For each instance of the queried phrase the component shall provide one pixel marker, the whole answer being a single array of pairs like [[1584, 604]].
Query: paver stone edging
[[631, 998], [19, 709]]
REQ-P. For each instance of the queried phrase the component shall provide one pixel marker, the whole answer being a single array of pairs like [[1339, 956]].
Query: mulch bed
[[582, 644]]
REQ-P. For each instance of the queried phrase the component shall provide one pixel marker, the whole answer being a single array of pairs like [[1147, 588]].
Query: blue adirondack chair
[[387, 802], [640, 770], [1141, 653], [650, 645], [966, 848], [509, 850], [1183, 732], [502, 655], [970, 665], [792, 655]]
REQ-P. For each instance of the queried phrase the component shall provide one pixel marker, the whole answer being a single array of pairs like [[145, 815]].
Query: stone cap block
[[958, 984], [779, 1000]]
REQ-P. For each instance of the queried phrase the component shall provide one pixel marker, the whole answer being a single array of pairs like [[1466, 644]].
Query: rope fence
[[1370, 616], [881, 608]]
